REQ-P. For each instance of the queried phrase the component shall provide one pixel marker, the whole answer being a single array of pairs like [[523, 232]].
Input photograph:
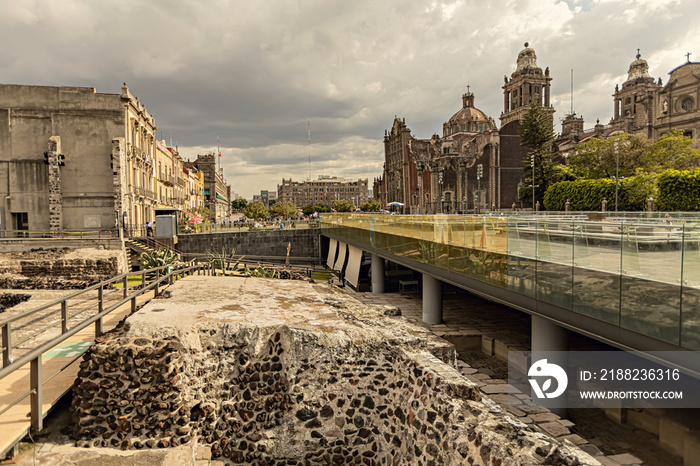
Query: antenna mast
[[308, 122], [572, 91]]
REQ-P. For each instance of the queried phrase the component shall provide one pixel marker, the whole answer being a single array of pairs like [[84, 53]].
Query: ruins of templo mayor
[[476, 164]]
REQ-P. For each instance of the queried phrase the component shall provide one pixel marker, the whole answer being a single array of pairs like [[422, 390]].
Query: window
[[20, 221]]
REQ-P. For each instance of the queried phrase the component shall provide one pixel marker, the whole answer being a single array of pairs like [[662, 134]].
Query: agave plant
[[260, 272], [158, 258], [224, 261]]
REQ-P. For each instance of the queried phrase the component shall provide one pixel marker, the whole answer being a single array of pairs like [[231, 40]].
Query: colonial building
[[643, 105], [74, 159], [324, 190], [216, 191], [473, 165]]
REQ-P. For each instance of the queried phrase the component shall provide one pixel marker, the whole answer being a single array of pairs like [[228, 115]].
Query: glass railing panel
[[458, 253], [521, 269], [425, 247], [596, 272], [651, 275], [500, 236], [690, 291], [554, 262]]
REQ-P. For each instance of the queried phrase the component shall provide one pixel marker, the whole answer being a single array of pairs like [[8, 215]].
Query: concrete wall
[[305, 243], [86, 123]]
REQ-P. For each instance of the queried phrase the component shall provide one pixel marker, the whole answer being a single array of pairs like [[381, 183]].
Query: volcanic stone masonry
[[290, 373]]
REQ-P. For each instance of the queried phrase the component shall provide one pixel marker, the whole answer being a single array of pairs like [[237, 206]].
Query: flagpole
[[218, 152]]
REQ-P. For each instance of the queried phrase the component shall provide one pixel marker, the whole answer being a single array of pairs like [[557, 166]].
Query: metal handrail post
[[6, 345], [157, 278], [126, 286], [64, 316], [100, 308], [37, 418]]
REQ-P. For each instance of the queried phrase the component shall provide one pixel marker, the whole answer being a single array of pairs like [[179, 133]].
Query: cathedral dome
[[468, 119], [468, 114]]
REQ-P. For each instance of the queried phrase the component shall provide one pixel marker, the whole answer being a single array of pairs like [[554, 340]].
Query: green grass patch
[[321, 275], [131, 281]]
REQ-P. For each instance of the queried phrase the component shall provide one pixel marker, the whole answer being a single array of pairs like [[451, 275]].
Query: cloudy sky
[[254, 73]]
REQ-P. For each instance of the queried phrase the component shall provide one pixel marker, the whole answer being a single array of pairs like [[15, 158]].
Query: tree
[[284, 209], [239, 204], [343, 206], [537, 135], [256, 209], [308, 209], [371, 206], [674, 151], [321, 207], [599, 157]]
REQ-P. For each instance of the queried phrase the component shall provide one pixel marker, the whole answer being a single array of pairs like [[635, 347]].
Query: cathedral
[[474, 165], [645, 106]]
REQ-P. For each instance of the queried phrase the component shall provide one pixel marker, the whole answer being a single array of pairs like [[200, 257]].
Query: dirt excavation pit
[[276, 372]]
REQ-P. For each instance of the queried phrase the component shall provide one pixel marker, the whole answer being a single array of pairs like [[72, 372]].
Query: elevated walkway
[[633, 283]]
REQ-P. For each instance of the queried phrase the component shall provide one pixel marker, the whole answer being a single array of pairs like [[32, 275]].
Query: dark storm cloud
[[254, 73]]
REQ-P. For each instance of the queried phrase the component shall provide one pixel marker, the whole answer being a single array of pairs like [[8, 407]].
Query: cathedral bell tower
[[527, 82]]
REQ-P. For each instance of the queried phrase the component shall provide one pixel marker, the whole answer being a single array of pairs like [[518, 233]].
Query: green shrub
[[679, 190], [582, 194], [588, 195]]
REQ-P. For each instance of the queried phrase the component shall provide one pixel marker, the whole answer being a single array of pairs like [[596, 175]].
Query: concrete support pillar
[[377, 274], [548, 336], [432, 300]]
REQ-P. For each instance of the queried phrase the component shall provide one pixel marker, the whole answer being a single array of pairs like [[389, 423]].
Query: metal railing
[[249, 226], [78, 234], [159, 275]]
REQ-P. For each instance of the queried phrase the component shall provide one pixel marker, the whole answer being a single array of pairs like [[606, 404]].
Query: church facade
[[644, 105], [473, 165]]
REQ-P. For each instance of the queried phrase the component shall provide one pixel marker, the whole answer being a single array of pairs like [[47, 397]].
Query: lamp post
[[617, 168], [479, 173], [532, 164], [440, 197]]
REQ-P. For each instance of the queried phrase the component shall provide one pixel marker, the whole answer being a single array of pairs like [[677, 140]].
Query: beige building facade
[[72, 159], [323, 190]]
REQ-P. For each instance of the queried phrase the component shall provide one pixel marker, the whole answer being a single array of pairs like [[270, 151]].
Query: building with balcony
[[324, 190], [216, 191]]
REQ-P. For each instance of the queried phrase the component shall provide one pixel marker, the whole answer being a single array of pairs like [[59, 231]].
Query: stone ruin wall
[[51, 269], [287, 397]]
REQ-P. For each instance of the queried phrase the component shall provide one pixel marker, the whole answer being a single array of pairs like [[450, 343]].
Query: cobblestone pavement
[[467, 314]]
